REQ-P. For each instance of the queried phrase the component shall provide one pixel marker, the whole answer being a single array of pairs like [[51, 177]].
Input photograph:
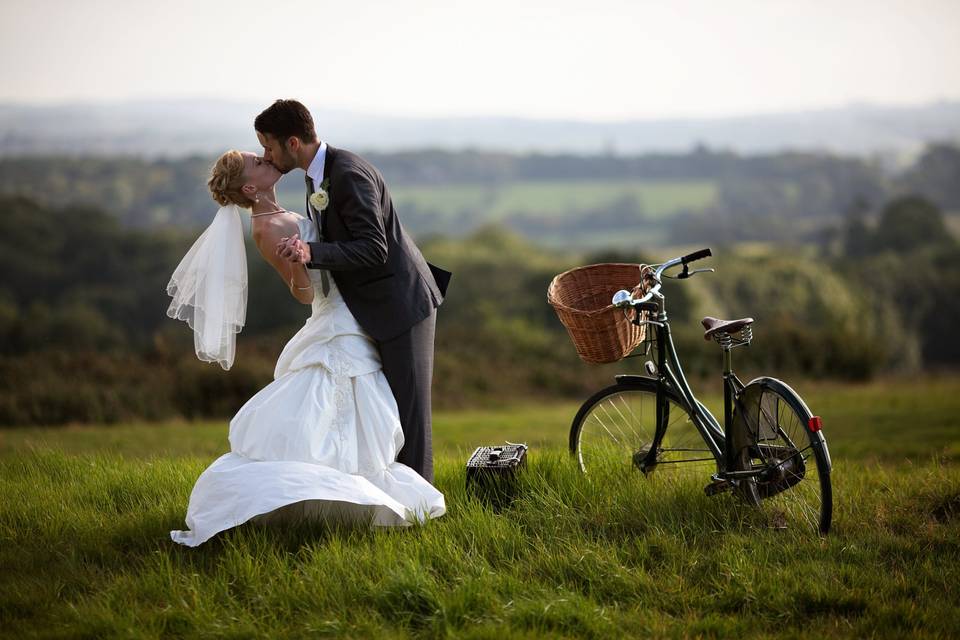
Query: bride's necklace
[[267, 213]]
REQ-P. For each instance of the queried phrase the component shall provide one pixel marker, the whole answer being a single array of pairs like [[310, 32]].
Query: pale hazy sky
[[590, 59]]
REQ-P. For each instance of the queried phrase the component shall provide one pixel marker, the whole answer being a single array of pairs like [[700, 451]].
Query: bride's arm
[[293, 274]]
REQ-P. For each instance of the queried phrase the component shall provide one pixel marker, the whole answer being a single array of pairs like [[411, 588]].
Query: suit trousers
[[408, 366]]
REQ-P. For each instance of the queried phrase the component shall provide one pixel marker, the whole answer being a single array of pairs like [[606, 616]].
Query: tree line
[[774, 197], [84, 336]]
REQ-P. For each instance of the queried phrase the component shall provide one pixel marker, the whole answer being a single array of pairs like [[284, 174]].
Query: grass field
[[952, 218], [86, 511], [559, 197], [477, 204]]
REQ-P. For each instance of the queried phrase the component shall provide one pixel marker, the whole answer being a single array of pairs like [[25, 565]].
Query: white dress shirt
[[315, 170]]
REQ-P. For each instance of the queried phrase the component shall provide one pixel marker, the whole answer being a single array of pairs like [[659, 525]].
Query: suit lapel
[[327, 164]]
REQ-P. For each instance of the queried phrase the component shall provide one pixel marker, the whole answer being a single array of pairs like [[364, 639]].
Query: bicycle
[[771, 449]]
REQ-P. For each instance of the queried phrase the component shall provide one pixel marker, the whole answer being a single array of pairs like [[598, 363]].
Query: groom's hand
[[294, 249]]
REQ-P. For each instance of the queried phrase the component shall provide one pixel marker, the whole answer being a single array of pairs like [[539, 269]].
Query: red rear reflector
[[815, 423]]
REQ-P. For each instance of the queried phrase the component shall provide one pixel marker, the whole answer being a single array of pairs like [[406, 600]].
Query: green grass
[[952, 218], [887, 421], [86, 511], [558, 197], [497, 203]]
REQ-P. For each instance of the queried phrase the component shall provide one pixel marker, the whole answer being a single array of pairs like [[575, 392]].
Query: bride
[[321, 440]]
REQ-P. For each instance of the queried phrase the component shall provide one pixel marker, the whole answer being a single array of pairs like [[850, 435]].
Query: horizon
[[858, 105], [174, 127], [615, 61]]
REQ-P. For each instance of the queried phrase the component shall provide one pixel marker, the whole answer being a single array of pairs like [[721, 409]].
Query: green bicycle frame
[[670, 378]]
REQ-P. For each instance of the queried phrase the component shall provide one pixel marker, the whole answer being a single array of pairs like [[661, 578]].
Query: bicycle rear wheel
[[613, 432], [774, 434]]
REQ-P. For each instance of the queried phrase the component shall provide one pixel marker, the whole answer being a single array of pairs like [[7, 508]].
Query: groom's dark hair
[[285, 118]]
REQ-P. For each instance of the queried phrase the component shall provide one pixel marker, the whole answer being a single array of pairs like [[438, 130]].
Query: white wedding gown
[[319, 442]]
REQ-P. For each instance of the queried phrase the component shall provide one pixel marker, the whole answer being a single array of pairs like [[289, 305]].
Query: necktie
[[315, 217]]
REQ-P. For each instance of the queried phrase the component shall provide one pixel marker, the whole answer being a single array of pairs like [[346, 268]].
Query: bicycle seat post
[[728, 334], [727, 350], [728, 341]]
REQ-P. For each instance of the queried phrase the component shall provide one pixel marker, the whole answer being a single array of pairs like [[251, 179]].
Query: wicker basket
[[581, 297]]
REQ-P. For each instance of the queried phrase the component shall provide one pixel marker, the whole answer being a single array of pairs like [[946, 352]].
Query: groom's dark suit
[[387, 285]]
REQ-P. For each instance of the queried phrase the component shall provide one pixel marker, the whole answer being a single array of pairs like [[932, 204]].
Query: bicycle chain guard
[[755, 427]]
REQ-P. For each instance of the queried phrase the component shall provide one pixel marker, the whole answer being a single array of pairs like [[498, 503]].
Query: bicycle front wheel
[[614, 432], [776, 435]]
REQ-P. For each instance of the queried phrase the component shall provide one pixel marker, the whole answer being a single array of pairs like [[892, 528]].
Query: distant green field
[[559, 197], [475, 205], [953, 222]]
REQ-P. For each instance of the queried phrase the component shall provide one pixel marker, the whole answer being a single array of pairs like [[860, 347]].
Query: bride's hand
[[294, 249], [287, 248]]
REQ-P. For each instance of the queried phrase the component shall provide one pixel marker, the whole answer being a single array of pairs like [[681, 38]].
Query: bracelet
[[306, 288]]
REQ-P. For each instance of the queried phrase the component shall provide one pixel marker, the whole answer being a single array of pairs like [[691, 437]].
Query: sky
[[585, 60]]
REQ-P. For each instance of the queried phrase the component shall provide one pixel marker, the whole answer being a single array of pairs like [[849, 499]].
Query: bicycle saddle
[[716, 325]]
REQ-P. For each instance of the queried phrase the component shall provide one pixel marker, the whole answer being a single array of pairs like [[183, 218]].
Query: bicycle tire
[[773, 433], [614, 428]]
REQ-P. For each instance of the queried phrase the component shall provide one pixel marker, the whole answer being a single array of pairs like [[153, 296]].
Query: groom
[[381, 274]]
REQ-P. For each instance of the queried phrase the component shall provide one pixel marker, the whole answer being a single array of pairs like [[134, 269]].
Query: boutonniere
[[321, 198]]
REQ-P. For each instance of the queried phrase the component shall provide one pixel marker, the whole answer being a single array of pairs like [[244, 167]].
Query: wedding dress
[[319, 442]]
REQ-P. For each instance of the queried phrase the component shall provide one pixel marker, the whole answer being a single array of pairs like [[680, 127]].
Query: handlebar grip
[[696, 255]]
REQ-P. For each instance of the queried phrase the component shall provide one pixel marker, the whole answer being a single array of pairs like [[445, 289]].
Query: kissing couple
[[343, 433]]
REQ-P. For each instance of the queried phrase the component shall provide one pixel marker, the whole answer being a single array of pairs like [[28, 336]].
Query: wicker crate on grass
[[581, 297]]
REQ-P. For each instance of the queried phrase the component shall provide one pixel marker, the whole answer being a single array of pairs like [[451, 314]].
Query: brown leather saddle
[[715, 325]]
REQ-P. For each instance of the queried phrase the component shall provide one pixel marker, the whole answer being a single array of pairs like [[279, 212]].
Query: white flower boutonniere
[[320, 199]]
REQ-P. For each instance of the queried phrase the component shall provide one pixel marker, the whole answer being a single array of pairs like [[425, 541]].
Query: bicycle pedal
[[650, 367], [719, 485]]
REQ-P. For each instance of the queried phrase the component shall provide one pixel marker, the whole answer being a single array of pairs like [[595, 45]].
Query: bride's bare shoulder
[[274, 227]]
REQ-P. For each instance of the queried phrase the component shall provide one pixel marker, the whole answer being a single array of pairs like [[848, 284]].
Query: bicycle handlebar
[[624, 298], [696, 255]]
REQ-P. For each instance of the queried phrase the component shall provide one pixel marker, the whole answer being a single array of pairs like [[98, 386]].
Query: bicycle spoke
[[629, 422], [795, 490], [607, 430], [623, 425], [618, 423]]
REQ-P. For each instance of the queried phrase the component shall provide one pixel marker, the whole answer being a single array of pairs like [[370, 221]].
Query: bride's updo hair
[[226, 180]]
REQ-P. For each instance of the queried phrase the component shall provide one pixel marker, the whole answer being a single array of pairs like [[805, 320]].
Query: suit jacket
[[384, 279]]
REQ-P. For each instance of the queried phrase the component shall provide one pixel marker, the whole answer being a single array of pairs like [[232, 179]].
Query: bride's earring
[[256, 198]]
